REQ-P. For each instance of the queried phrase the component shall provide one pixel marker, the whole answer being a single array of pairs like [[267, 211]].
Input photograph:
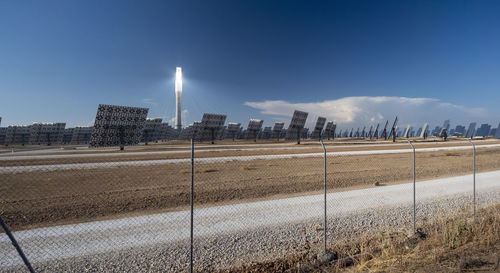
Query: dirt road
[[48, 198]]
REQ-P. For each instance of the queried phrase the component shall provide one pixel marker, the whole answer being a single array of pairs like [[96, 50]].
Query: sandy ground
[[35, 199], [172, 146], [239, 234], [207, 151]]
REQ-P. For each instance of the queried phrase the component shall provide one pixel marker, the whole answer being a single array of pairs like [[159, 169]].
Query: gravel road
[[227, 236]]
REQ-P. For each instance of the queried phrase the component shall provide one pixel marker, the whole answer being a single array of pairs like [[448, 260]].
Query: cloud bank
[[361, 111]]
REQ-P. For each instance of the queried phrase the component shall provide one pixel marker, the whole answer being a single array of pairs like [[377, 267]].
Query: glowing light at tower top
[[178, 80]]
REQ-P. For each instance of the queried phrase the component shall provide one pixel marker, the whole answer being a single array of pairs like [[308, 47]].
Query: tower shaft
[[178, 111]]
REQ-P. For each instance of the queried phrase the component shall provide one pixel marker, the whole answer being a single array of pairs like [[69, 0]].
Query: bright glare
[[178, 80]]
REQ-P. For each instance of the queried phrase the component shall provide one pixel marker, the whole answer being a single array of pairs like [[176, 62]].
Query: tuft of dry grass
[[450, 245], [455, 244]]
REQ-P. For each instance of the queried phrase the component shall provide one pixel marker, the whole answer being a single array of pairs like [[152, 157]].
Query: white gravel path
[[233, 234], [54, 167], [221, 148]]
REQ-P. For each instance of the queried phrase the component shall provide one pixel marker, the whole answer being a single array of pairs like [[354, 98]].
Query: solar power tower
[[118, 126], [296, 125], [253, 129], [233, 129], [178, 94], [278, 127], [211, 127], [497, 134], [471, 130], [423, 133], [318, 128]]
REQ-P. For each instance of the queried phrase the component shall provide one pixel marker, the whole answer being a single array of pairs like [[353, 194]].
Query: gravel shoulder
[[221, 250]]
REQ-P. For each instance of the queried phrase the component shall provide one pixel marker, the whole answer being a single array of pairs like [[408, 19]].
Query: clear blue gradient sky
[[60, 59]]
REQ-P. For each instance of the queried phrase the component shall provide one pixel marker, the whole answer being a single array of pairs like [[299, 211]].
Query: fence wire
[[90, 211], [105, 210]]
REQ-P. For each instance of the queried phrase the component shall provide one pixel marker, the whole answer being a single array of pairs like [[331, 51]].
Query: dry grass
[[455, 244], [449, 245]]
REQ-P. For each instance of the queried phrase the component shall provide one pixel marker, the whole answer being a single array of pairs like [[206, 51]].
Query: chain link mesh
[[106, 210]]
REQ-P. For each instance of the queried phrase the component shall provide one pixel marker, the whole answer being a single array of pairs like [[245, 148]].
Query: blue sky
[[355, 62]]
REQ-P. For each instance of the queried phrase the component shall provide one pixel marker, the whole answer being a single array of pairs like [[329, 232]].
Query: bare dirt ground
[[184, 146], [219, 152], [42, 198]]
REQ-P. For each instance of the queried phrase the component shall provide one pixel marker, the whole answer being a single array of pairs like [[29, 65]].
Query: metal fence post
[[473, 178], [16, 245], [324, 185], [192, 206], [414, 191]]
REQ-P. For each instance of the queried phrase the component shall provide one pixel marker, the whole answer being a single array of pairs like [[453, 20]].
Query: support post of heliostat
[[192, 207], [473, 178], [414, 191], [324, 186]]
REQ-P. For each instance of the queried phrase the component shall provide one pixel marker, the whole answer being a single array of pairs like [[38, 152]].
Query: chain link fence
[[105, 210]]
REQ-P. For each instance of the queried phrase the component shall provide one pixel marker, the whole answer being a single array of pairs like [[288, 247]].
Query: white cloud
[[360, 111]]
